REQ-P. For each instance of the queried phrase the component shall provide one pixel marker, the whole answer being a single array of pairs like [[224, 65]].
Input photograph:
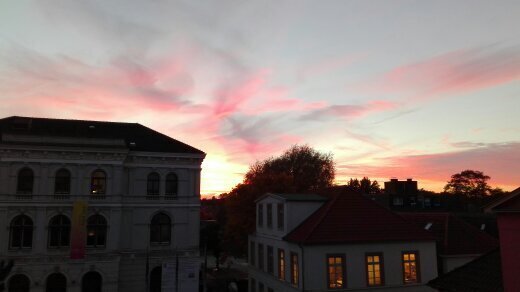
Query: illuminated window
[[25, 181], [269, 215], [281, 264], [375, 273], [281, 216], [171, 185], [270, 260], [96, 231], [59, 231], [98, 183], [21, 232], [260, 215], [410, 267], [62, 182], [294, 269], [252, 253], [336, 271], [152, 184]]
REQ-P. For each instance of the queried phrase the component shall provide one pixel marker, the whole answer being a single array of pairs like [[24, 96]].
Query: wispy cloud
[[349, 112], [454, 72]]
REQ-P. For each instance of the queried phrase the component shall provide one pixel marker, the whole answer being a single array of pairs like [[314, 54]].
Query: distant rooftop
[[17, 130], [297, 197]]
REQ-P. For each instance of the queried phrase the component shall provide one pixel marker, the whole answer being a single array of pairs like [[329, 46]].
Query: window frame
[[23, 229], [96, 179], [261, 256], [280, 211], [269, 215], [20, 185], [63, 228], [295, 269], [98, 227], [381, 268], [153, 184], [160, 228], [270, 259], [281, 264], [417, 267], [65, 180], [343, 270], [260, 216], [170, 184]]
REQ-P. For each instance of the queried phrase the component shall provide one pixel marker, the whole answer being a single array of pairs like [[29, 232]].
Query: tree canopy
[[470, 183], [299, 169], [365, 186]]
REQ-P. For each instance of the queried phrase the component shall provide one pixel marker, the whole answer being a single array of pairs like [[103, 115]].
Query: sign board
[[169, 279], [78, 230]]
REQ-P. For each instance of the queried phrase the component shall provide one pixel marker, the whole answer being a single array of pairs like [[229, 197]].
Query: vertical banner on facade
[[188, 279], [169, 279], [78, 230]]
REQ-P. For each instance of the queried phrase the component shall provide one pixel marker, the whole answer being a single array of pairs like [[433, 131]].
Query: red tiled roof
[[455, 237], [349, 217]]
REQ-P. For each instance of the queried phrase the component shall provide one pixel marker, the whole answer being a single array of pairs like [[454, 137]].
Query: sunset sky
[[420, 89]]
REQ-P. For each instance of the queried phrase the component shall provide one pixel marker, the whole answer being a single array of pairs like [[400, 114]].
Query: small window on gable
[[281, 216], [260, 215], [25, 181]]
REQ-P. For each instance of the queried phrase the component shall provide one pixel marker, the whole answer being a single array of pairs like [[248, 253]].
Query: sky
[[405, 89]]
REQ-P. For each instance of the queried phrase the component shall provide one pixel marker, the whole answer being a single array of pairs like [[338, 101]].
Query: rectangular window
[[270, 290], [270, 260], [260, 287], [294, 269], [281, 264], [252, 283], [375, 271], [281, 219], [269, 215], [260, 215], [336, 271], [261, 256], [252, 253], [410, 267]]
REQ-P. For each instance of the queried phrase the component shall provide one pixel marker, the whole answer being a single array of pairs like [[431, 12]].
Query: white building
[[141, 189], [345, 243]]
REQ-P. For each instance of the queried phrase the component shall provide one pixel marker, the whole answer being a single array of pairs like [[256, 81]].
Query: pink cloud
[[351, 111], [450, 73], [498, 160]]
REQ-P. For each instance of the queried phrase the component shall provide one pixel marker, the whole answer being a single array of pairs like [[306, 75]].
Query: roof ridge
[[69, 119], [326, 209]]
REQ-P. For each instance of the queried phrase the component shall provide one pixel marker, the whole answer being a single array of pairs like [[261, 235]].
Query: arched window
[[96, 231], [56, 283], [98, 183], [91, 282], [25, 181], [160, 229], [18, 283], [152, 185], [21, 232], [59, 231], [156, 279], [62, 182], [171, 185]]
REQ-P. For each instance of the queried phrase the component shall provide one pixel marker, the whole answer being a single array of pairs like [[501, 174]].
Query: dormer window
[[269, 216], [281, 216], [260, 215]]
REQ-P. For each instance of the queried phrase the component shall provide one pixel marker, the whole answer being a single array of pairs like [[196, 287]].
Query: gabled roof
[[294, 197], [510, 203], [481, 274], [135, 137], [350, 218], [455, 237]]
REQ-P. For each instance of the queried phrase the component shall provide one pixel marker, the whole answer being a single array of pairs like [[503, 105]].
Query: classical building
[[97, 206], [343, 241]]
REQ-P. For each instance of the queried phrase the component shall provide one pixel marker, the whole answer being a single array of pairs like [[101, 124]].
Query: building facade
[[343, 242], [97, 206]]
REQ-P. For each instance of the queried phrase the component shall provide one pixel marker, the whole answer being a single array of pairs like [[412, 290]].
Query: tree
[[365, 186], [469, 183], [300, 169]]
